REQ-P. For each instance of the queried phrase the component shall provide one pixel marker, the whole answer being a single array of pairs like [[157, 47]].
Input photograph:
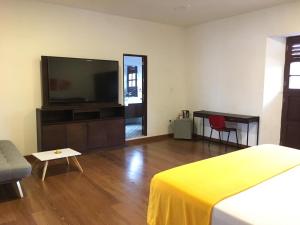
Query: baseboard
[[215, 140], [143, 140]]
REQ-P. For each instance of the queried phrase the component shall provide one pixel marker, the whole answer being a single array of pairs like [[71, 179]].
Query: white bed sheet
[[273, 202]]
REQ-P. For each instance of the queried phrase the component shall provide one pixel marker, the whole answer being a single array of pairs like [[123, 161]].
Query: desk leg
[[203, 134], [247, 134], [257, 133]]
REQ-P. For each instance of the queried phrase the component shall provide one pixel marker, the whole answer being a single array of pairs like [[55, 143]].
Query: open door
[[135, 94]]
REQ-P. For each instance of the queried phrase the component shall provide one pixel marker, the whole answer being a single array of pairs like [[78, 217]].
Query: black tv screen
[[74, 80]]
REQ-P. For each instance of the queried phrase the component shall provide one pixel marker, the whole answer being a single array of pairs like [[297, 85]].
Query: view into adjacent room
[[134, 95]]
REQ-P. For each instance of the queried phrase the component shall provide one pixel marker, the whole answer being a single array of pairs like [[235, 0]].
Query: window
[[293, 60], [132, 81]]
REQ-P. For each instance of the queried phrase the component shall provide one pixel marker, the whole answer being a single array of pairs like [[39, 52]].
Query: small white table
[[57, 154]]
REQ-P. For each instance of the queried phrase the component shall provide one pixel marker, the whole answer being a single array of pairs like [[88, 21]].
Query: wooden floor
[[113, 190]]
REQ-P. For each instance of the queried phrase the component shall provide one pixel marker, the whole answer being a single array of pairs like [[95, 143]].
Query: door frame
[[144, 88], [286, 91]]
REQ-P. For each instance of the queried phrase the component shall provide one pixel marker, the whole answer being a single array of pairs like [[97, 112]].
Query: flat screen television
[[75, 80]]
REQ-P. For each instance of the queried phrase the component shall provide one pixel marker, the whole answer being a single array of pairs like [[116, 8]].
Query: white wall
[[31, 29], [227, 66], [273, 90], [226, 62]]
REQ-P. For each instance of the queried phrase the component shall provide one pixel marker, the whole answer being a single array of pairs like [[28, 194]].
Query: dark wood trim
[[145, 89], [144, 140], [228, 116], [286, 91], [80, 129], [82, 107], [137, 55]]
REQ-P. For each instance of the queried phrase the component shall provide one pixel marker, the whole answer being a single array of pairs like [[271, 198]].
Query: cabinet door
[[116, 132], [97, 134], [77, 136], [53, 137]]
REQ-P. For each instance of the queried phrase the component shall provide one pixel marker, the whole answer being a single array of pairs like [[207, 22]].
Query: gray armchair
[[13, 166]]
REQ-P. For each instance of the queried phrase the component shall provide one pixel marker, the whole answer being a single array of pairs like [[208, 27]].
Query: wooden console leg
[[45, 170], [20, 189], [77, 163]]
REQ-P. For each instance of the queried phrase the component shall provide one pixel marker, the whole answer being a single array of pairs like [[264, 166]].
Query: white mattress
[[273, 202]]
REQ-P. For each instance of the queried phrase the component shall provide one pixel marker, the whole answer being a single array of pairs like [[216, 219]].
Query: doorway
[[290, 121], [135, 95]]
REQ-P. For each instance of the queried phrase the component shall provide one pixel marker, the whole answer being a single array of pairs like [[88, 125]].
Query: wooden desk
[[246, 119]]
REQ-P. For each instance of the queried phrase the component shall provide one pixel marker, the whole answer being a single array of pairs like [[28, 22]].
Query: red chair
[[218, 123]]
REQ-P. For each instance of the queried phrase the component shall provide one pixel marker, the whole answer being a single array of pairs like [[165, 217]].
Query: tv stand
[[81, 128]]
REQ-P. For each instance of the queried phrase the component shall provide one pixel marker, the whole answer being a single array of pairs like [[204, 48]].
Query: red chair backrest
[[217, 122]]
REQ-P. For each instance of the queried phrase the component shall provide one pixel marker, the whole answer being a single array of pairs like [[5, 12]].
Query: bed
[[258, 185]]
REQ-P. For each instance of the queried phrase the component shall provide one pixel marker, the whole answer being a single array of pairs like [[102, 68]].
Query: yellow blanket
[[186, 195]]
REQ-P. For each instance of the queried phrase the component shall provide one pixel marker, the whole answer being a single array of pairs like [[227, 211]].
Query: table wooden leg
[[68, 160], [45, 170], [77, 163]]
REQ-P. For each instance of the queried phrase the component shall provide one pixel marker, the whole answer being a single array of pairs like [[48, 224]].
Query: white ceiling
[[176, 12]]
